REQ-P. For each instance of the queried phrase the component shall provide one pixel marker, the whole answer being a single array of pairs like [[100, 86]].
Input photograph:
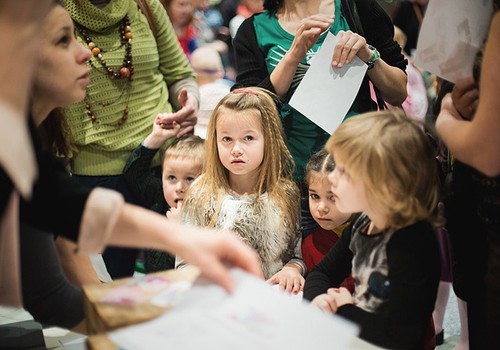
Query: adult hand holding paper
[[325, 94]]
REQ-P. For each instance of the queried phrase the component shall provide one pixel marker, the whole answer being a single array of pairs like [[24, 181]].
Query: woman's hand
[[349, 44], [186, 116], [289, 279], [306, 36], [465, 96], [214, 252], [448, 112]]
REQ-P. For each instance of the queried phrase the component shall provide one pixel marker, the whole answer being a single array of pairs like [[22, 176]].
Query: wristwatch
[[375, 57]]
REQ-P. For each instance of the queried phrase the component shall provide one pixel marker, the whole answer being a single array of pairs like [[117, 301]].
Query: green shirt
[[103, 145], [303, 136]]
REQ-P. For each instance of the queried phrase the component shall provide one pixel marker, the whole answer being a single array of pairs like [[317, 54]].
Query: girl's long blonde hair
[[275, 177]]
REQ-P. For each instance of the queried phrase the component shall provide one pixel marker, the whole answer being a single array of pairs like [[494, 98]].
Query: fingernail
[[334, 63]]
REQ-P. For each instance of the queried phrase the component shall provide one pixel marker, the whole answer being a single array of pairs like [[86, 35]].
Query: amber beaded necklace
[[126, 71]]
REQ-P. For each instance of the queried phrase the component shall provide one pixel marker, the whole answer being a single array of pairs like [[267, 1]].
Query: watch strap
[[374, 58]]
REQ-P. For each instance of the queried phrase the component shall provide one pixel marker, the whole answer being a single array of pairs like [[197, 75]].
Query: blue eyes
[[173, 178]]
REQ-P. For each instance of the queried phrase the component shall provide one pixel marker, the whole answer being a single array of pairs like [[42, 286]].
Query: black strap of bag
[[350, 12]]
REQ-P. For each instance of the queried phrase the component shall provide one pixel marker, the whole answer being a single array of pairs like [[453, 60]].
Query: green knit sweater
[[103, 145]]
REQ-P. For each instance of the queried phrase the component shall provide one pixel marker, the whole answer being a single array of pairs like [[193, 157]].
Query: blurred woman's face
[[62, 74]]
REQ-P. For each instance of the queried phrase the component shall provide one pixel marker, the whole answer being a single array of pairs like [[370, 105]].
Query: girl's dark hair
[[272, 5], [321, 162]]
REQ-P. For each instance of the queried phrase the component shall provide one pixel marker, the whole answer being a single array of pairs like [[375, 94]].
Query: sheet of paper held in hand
[[325, 94], [255, 316], [451, 34]]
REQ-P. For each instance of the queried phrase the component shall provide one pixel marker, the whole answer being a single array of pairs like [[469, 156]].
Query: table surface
[[102, 318]]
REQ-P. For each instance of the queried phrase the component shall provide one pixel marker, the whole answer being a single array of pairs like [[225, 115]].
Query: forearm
[[391, 82], [316, 284], [468, 144], [77, 267], [283, 74], [141, 228]]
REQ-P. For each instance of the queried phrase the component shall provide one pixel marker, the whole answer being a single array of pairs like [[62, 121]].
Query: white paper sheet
[[255, 316], [451, 34], [325, 94]]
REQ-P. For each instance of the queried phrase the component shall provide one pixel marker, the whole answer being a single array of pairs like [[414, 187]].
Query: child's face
[[349, 192], [322, 203], [181, 12], [177, 176], [240, 142]]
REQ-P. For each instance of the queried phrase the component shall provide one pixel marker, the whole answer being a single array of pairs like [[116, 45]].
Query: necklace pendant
[[124, 72]]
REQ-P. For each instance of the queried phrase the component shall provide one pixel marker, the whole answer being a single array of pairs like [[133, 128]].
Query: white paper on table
[[253, 317], [451, 34], [325, 94]]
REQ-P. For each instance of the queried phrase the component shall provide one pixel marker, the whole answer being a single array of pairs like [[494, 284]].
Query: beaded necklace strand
[[126, 71]]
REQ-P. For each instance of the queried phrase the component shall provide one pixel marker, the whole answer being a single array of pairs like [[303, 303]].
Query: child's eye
[[248, 138], [226, 139], [331, 198], [190, 179], [171, 177], [314, 196]]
